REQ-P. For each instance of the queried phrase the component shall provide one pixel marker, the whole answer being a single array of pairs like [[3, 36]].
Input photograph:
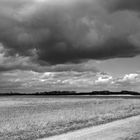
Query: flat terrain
[[125, 129], [29, 118]]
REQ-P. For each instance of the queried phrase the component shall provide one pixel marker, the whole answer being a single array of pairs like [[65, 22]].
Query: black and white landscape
[[67, 65]]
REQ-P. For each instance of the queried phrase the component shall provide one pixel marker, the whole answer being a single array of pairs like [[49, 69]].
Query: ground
[[29, 118], [125, 129]]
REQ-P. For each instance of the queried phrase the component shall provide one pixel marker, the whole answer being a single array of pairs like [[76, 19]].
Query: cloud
[[104, 79], [11, 63], [36, 81], [117, 5], [128, 82], [30, 81], [52, 43], [132, 78], [60, 32]]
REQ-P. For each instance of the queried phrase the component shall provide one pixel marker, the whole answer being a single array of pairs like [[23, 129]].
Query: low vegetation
[[28, 118], [68, 93]]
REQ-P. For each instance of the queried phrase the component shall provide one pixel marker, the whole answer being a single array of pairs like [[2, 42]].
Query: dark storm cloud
[[112, 48], [11, 29], [11, 63], [58, 32], [116, 5], [53, 68], [3, 69]]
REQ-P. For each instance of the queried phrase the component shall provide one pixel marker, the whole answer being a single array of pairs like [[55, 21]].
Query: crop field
[[29, 118]]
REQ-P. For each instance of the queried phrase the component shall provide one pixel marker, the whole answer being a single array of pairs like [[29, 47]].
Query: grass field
[[27, 118]]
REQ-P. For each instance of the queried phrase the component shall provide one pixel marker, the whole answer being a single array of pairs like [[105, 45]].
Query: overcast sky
[[80, 45]]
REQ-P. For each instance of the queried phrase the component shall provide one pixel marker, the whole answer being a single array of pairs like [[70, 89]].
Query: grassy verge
[[29, 119]]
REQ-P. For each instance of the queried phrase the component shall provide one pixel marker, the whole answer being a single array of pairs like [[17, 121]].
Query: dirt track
[[125, 129]]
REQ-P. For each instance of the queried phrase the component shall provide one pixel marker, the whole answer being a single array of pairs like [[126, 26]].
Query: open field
[[24, 118]]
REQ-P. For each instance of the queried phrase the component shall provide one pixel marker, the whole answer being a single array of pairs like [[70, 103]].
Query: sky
[[80, 45]]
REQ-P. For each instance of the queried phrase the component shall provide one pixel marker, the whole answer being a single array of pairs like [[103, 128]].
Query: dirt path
[[118, 130]]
